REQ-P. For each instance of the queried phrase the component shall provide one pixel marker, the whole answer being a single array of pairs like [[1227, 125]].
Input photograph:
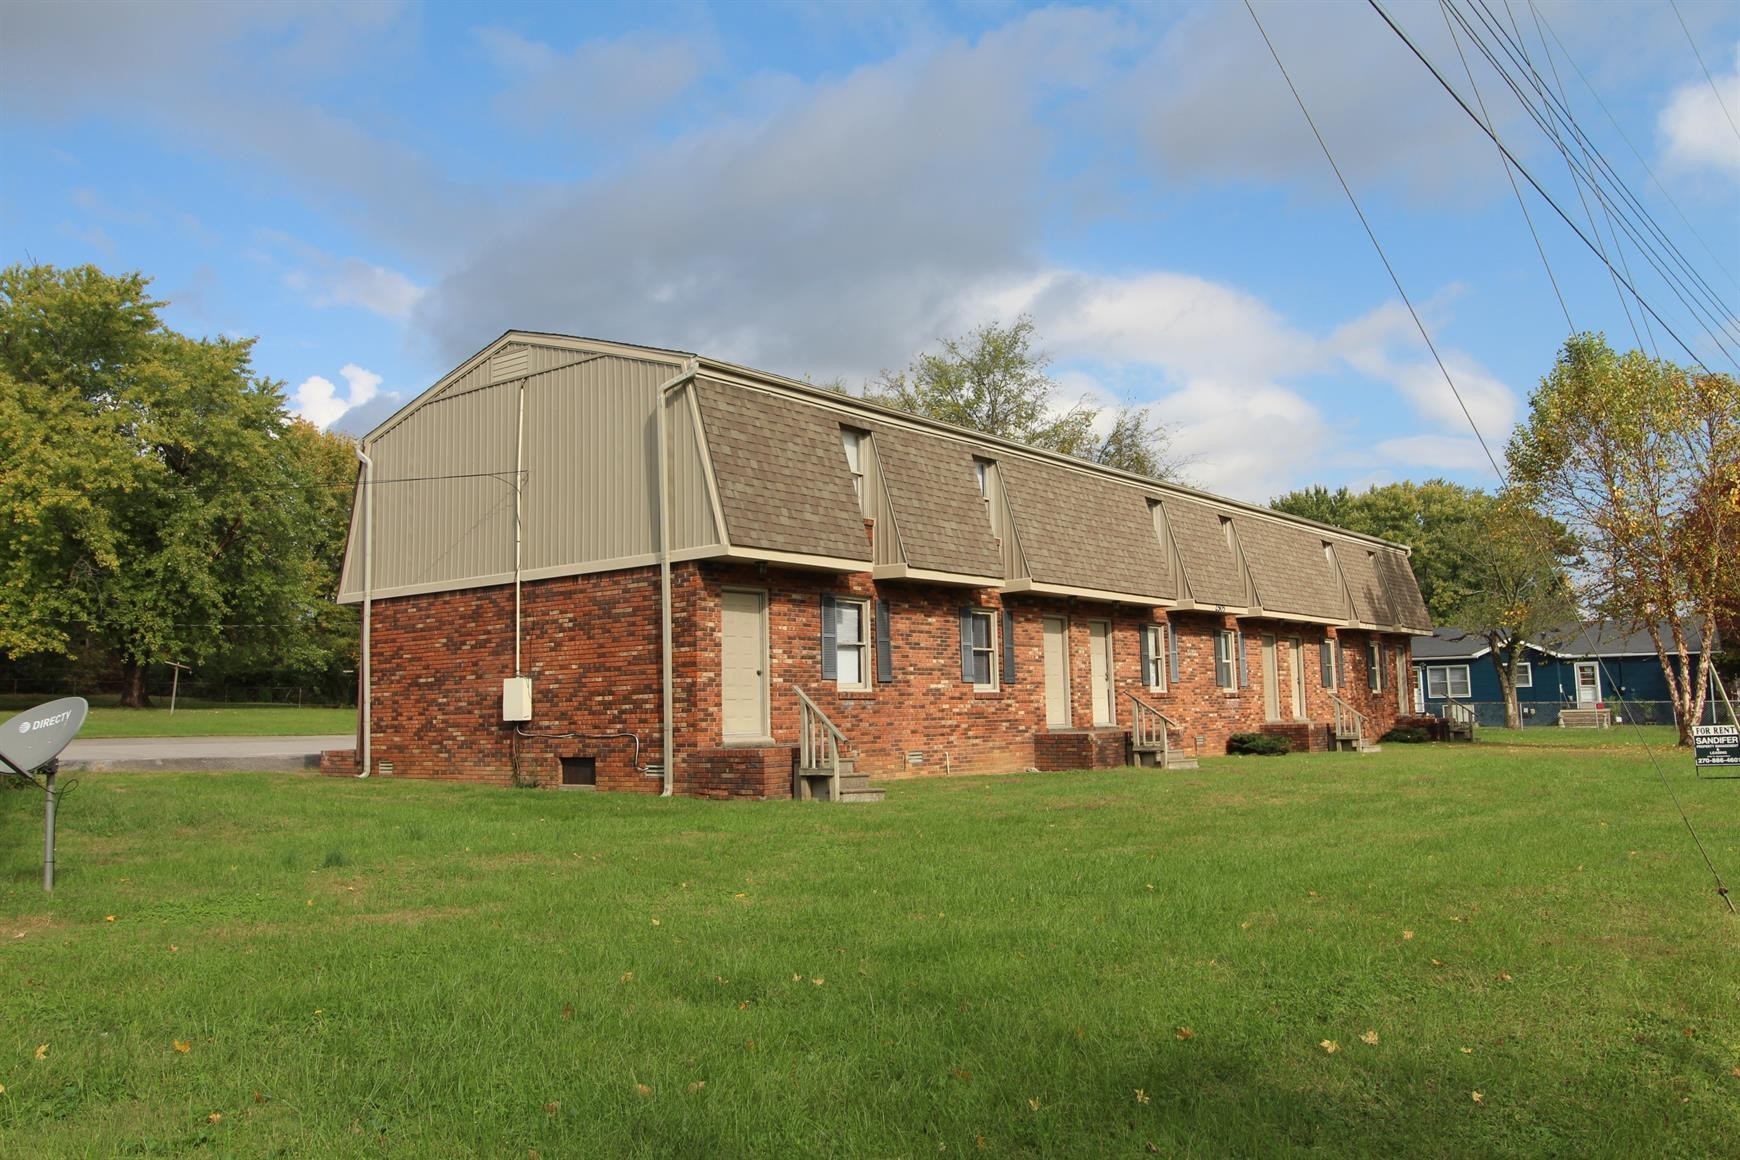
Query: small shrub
[[1406, 735], [1258, 745]]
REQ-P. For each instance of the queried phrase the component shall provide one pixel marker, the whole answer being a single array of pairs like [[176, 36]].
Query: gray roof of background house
[[1606, 638]]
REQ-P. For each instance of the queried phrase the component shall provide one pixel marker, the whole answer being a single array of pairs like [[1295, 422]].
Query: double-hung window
[[846, 651], [979, 648], [1155, 650], [1525, 675], [1226, 673], [853, 443], [1447, 681], [1374, 666]]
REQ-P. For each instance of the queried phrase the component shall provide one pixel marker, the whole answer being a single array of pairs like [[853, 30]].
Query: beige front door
[[743, 665], [1296, 667], [1100, 671], [1271, 681], [1056, 671]]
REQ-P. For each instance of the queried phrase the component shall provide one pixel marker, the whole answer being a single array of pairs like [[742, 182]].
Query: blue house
[[1586, 666]]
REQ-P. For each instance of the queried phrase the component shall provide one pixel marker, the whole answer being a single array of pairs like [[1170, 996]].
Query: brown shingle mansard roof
[[938, 512], [765, 452], [1084, 531], [782, 486]]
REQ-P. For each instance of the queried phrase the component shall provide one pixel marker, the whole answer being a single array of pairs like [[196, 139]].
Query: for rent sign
[[1716, 744]]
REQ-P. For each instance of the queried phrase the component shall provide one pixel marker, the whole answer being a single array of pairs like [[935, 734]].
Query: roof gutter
[[662, 397]]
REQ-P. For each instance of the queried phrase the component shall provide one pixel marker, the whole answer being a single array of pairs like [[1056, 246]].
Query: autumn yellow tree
[[1639, 459]]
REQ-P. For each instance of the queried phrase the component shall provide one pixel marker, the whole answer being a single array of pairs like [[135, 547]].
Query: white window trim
[[865, 644], [1445, 671], [1158, 657], [852, 445], [991, 619], [1525, 674], [1225, 639]]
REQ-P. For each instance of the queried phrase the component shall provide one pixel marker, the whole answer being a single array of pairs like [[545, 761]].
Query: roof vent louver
[[509, 363]]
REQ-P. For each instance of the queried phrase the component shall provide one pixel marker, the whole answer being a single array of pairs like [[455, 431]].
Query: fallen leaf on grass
[[640, 1089], [819, 982], [1370, 1038], [1141, 1096], [1330, 1046], [626, 977], [41, 1051], [1467, 1051], [567, 1010], [552, 1108], [1184, 1033], [961, 1073], [183, 1046], [1033, 1104], [1437, 963], [215, 1118], [1478, 1098], [108, 918], [1407, 934], [1504, 976], [743, 1006], [696, 1086], [655, 922]]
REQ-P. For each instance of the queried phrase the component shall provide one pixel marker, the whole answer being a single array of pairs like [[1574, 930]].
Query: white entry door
[[1100, 671], [1588, 683], [743, 665], [1056, 672]]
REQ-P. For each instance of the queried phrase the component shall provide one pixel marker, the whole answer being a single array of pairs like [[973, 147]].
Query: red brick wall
[[591, 646]]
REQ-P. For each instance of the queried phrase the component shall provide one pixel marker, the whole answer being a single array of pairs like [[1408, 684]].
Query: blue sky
[[377, 190]]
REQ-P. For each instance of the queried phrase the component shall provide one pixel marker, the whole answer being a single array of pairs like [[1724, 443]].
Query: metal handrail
[[1346, 714], [818, 736], [1149, 726]]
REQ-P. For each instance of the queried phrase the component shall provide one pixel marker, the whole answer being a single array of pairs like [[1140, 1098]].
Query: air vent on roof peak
[[510, 362]]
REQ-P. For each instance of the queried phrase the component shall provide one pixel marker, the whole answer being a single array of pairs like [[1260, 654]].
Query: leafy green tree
[[1640, 460], [992, 380], [164, 507], [1514, 563], [1430, 517]]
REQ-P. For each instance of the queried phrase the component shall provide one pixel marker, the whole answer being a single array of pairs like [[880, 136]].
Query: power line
[[1515, 190], [1721, 886], [1707, 77], [1522, 169]]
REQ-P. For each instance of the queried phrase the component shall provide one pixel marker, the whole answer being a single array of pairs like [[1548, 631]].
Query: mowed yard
[[1434, 951]]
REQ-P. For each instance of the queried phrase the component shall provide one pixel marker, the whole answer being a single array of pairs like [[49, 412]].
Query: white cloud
[[1385, 345], [317, 399], [1437, 452], [327, 280], [1697, 132]]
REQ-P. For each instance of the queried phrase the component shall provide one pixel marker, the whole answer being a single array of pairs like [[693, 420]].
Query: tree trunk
[[133, 694]]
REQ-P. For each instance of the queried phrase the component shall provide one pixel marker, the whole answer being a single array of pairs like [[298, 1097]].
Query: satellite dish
[[36, 736]]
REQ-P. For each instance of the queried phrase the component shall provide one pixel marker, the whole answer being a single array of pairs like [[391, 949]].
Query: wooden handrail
[[1149, 726], [1457, 712], [819, 737], [1345, 715]]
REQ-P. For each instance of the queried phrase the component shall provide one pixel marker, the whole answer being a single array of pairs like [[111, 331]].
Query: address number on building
[[1716, 744]]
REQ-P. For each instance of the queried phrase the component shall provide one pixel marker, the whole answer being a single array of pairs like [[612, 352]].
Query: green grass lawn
[[1068, 964], [1657, 737], [199, 719]]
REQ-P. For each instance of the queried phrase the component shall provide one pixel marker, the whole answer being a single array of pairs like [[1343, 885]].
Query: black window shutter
[[1244, 671], [1008, 647], [1172, 653], [830, 639], [967, 645], [884, 645], [1147, 653], [1326, 662]]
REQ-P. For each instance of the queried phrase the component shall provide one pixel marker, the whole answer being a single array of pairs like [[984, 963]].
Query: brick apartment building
[[562, 529]]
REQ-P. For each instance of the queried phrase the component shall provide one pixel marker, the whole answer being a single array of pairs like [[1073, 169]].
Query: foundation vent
[[384, 768]]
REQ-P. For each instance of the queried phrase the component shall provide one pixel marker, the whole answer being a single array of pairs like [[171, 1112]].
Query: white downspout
[[366, 706], [664, 488], [519, 492]]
